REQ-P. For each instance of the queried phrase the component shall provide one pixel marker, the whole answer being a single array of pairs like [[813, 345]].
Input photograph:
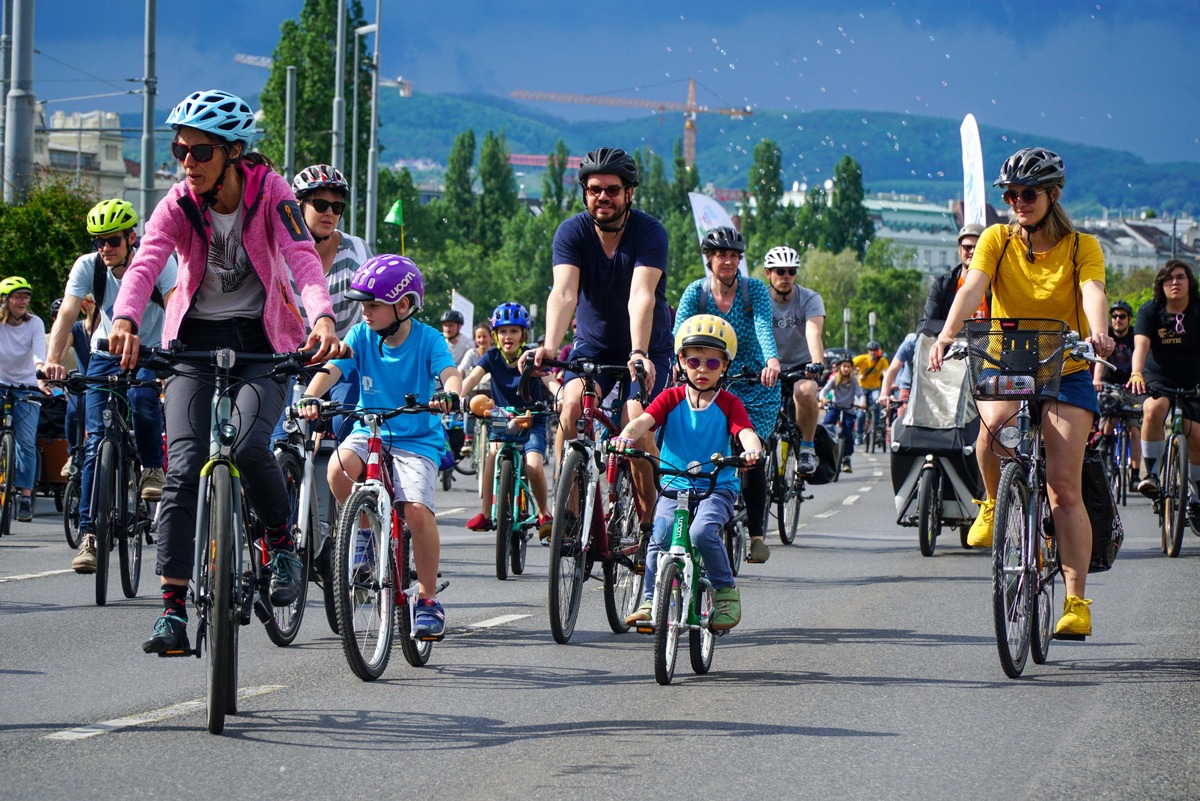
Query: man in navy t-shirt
[[610, 267]]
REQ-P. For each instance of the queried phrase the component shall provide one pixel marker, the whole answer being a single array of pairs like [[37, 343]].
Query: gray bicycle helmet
[[723, 237], [1033, 166], [970, 229], [609, 161]]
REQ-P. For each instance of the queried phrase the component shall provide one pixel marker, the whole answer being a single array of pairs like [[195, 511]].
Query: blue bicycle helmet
[[511, 314], [216, 112]]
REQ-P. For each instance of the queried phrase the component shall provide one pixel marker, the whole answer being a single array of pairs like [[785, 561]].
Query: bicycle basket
[[1010, 359], [502, 428]]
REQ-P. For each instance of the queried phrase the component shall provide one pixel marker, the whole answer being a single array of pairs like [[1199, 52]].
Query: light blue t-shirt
[[81, 281], [385, 378]]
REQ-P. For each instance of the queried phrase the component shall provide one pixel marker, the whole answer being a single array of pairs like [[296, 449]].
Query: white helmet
[[781, 256]]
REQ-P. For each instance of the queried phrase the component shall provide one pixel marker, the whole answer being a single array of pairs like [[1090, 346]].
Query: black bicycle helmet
[[56, 305], [453, 316], [874, 345], [609, 161], [1122, 305], [723, 238], [1033, 166]]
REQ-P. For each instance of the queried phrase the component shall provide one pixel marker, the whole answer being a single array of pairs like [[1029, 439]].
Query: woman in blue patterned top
[[746, 304]]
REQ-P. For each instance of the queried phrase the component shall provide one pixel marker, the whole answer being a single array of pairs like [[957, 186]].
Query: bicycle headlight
[[228, 434], [1009, 437], [107, 416]]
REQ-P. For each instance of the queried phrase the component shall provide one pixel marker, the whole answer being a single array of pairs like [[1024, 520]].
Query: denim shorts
[[1077, 389]]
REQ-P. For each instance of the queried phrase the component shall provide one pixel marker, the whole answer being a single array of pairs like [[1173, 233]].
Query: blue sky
[[1115, 74]]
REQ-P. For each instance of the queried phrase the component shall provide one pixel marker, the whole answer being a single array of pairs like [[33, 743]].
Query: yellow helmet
[[707, 331], [110, 217]]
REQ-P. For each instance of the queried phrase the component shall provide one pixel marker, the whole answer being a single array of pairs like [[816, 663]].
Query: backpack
[[743, 285], [100, 286]]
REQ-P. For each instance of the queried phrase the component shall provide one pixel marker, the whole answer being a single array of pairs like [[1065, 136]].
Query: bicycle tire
[[841, 453], [221, 621], [702, 641], [71, 513], [793, 494], [129, 544], [1121, 474], [283, 624], [416, 652], [503, 504], [8, 479], [518, 544], [104, 513], [365, 603], [929, 513], [447, 479], [1043, 604], [567, 557], [734, 535], [668, 617], [775, 483], [1011, 578], [1175, 494], [622, 579]]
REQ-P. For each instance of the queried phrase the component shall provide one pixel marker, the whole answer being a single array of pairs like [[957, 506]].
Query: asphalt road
[[861, 670]]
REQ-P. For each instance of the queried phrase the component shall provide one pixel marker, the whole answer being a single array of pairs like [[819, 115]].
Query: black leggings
[[754, 490]]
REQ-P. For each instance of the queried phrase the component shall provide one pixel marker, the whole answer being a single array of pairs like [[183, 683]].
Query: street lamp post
[[359, 32], [373, 151], [846, 328], [871, 318]]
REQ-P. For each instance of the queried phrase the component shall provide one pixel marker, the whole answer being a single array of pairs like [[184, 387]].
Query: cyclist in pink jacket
[[237, 229]]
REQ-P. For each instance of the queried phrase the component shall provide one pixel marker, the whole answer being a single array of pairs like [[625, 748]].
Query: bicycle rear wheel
[[363, 584], [793, 493], [71, 512], [668, 618], [503, 503], [8, 479], [1012, 578], [623, 575], [129, 545], [284, 623], [567, 556], [104, 513], [416, 652], [929, 509], [1043, 602], [702, 642], [219, 588], [1175, 494], [734, 534]]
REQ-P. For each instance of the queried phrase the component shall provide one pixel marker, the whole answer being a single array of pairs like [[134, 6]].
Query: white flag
[[460, 303], [710, 214], [974, 210]]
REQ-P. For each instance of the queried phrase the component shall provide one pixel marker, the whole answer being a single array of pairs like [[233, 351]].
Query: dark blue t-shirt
[[506, 380], [603, 310]]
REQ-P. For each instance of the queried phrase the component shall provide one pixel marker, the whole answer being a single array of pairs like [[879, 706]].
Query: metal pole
[[1174, 234], [354, 146], [339, 89], [19, 117], [5, 73], [289, 133], [846, 328], [149, 90], [373, 151]]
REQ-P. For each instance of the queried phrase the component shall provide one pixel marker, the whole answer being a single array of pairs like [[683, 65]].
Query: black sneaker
[[285, 578], [1194, 516], [24, 508], [170, 634]]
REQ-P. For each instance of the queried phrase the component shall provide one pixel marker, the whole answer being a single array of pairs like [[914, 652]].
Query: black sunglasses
[[112, 241], [1120, 316], [611, 191], [782, 270], [1027, 194], [201, 153], [322, 205]]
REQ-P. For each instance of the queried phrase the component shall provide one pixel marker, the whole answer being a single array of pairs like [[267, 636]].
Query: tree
[[458, 201], [422, 233], [849, 224], [554, 186], [835, 277], [498, 201], [811, 228], [309, 44], [891, 287], [770, 223]]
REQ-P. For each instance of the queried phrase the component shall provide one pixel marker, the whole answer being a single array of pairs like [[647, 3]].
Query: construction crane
[[266, 62], [690, 109]]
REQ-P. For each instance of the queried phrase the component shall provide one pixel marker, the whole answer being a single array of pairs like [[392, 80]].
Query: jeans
[[830, 423], [872, 395], [147, 428], [25, 420], [711, 513]]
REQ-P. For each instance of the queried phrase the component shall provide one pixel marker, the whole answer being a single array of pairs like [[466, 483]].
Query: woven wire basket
[[1010, 359]]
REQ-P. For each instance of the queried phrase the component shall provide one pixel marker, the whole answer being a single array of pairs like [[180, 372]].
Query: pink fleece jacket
[[274, 237]]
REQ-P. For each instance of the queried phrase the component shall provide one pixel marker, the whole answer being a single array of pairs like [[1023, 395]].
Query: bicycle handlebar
[[159, 358], [584, 367]]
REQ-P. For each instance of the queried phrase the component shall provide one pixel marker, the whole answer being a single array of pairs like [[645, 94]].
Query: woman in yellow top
[[1038, 266]]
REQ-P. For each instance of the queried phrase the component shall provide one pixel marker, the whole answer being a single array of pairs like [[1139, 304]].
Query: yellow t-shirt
[[1045, 288], [870, 374]]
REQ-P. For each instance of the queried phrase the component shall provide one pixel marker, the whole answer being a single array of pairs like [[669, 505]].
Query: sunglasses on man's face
[[595, 190], [1027, 195], [1120, 316], [201, 153], [784, 270], [111, 241], [694, 363], [322, 205]]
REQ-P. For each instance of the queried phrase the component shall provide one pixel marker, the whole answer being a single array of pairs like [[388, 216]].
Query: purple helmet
[[511, 314], [387, 278]]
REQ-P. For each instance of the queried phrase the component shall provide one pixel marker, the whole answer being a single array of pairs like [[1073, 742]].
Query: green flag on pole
[[396, 215]]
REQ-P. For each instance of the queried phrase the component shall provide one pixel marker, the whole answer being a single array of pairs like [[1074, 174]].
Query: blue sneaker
[[170, 635], [285, 578], [430, 619]]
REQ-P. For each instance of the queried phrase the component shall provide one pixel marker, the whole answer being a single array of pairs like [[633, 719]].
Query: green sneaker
[[727, 612], [642, 613]]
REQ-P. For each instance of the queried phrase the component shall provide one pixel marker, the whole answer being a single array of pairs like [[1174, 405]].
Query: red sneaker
[[479, 523], [544, 524]]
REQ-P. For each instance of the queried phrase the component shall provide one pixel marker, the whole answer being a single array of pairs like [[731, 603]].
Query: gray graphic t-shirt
[[230, 288]]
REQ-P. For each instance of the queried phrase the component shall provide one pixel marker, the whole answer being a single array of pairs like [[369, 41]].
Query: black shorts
[[1189, 406]]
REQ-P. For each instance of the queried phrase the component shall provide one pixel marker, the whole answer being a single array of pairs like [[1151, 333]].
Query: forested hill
[[898, 152]]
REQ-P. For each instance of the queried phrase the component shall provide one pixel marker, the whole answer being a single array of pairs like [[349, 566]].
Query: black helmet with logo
[[609, 161], [723, 237], [1033, 166]]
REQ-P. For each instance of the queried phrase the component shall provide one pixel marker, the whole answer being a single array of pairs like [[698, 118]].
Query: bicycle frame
[[684, 552]]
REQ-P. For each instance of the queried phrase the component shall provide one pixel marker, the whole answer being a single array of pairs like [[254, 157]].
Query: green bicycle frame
[[682, 550]]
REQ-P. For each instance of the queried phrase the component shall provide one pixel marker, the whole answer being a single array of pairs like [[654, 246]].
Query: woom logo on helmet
[[398, 291]]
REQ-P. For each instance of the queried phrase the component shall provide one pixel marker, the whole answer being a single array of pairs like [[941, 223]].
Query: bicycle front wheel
[[8, 479], [1175, 494], [284, 623], [701, 641], [363, 585], [129, 544], [1012, 578], [623, 575], [219, 588], [668, 619], [104, 513], [71, 512], [793, 489], [929, 509], [503, 504], [567, 556], [1043, 602]]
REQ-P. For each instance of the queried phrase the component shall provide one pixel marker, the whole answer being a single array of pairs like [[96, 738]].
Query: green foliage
[[848, 226], [835, 276], [892, 288], [1127, 286], [458, 201], [497, 202], [42, 237], [555, 191]]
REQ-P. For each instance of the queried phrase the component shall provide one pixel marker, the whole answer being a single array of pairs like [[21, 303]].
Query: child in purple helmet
[[395, 355]]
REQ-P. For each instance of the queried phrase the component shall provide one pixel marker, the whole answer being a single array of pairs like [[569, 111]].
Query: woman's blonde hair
[[1057, 223]]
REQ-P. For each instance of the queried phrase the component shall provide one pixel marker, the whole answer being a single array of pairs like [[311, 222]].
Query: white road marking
[[849, 500], [453, 511], [173, 711], [496, 621], [25, 576], [823, 515], [877, 474], [869, 487]]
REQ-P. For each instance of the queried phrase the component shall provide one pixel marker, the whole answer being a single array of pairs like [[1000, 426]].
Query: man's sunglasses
[[612, 191], [111, 241], [1120, 316], [322, 205], [693, 363], [201, 153], [1027, 194], [782, 270]]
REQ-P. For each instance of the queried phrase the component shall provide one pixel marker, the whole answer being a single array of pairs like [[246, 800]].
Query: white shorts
[[413, 476]]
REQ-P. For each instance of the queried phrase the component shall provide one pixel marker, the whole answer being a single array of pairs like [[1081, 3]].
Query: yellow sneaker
[[980, 535], [1076, 622]]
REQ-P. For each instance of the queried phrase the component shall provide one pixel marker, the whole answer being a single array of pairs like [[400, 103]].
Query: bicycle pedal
[[644, 627], [429, 638], [179, 652]]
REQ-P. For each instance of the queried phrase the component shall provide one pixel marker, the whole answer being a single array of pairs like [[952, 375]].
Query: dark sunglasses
[[1120, 316], [611, 191], [782, 270], [694, 363], [967, 248], [322, 205], [201, 153], [1027, 194], [112, 241]]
